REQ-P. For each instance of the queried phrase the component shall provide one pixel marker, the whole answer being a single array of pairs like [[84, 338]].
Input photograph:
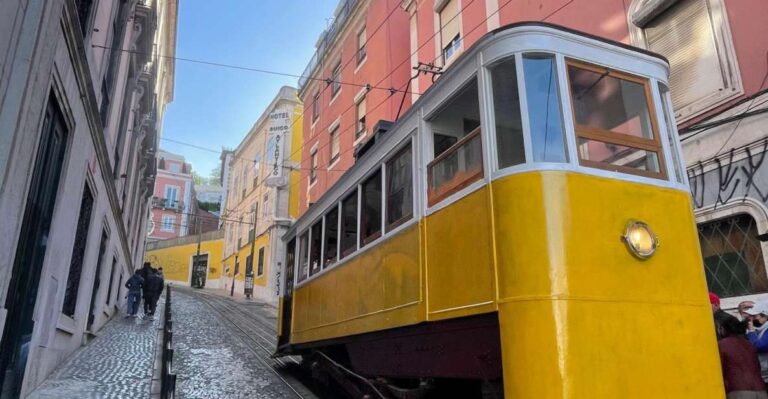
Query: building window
[[544, 116], [695, 38], [733, 257], [510, 147], [349, 224], [171, 196], [615, 128], [457, 145], [313, 167], [360, 116], [260, 266], [361, 41], [336, 78], [265, 209], [111, 280], [331, 236], [315, 247], [168, 223], [78, 253], [83, 14], [174, 167], [335, 148], [370, 206], [316, 106], [399, 188], [303, 257], [450, 29]]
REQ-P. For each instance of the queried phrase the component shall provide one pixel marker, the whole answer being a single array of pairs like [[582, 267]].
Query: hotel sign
[[279, 125]]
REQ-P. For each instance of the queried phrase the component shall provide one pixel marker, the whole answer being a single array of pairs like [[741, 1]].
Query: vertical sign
[[279, 124]]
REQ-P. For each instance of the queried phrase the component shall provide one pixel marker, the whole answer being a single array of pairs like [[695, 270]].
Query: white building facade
[[82, 97]]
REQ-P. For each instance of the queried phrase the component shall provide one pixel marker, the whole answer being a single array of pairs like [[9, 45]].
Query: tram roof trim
[[374, 155]]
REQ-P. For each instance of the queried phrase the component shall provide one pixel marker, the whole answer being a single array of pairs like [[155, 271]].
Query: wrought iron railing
[[167, 379]]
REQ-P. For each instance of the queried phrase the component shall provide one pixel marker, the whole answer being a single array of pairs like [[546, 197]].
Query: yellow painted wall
[[293, 178], [242, 256], [176, 261]]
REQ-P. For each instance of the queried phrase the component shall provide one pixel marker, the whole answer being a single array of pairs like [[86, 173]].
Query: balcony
[[166, 203]]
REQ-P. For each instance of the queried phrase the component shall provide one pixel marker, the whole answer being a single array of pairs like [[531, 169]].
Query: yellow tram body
[[578, 315]]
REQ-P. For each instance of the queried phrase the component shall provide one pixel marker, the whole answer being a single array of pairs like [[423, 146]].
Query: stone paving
[[211, 362], [116, 364]]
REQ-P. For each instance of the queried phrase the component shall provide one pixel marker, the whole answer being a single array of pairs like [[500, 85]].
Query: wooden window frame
[[313, 161], [336, 79], [361, 54], [316, 106], [610, 137], [435, 196]]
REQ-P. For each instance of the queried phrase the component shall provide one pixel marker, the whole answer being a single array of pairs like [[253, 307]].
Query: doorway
[[31, 250]]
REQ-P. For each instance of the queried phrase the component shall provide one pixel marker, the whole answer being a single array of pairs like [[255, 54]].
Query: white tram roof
[[532, 36]]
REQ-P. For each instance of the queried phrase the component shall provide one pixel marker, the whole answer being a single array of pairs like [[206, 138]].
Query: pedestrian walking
[[741, 368], [154, 289], [146, 271], [135, 284], [719, 315], [757, 325]]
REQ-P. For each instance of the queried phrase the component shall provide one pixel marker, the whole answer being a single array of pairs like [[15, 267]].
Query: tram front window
[[614, 124], [457, 147], [506, 107], [546, 122]]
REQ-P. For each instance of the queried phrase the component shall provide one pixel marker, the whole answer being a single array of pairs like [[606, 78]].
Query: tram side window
[[349, 224], [545, 118], [399, 188], [671, 133], [615, 128], [457, 145], [331, 236], [315, 245], [370, 222], [506, 105], [303, 257]]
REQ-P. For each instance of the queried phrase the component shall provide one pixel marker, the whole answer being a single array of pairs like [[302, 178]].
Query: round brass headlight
[[640, 239]]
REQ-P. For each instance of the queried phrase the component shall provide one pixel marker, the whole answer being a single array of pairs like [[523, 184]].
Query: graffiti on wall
[[729, 180]]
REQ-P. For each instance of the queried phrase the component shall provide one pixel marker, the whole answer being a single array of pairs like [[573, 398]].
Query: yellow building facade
[[177, 255], [261, 199]]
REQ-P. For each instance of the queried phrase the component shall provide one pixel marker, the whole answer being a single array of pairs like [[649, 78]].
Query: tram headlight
[[640, 239]]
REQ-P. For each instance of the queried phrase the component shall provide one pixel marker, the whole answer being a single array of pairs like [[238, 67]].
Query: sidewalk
[[116, 364]]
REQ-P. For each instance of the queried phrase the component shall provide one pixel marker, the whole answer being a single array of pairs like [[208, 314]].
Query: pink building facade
[[173, 200]]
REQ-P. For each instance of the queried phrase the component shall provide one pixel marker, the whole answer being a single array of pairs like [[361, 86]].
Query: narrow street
[[223, 347]]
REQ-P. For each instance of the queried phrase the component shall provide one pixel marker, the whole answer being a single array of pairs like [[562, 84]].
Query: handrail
[[454, 147], [436, 193]]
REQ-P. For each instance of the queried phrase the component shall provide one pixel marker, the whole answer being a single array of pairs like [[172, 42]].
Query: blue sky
[[214, 106]]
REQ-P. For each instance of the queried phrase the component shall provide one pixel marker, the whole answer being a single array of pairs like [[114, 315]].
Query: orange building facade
[[368, 44]]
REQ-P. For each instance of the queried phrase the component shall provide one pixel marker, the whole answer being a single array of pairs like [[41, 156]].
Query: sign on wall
[[279, 124]]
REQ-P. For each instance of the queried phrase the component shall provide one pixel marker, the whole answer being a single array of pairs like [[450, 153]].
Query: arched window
[[733, 257]]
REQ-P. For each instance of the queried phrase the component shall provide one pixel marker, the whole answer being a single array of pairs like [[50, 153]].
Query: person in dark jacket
[[719, 315], [146, 271], [154, 289], [741, 368], [135, 284]]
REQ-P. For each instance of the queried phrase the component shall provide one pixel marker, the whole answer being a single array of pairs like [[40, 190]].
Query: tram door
[[290, 264]]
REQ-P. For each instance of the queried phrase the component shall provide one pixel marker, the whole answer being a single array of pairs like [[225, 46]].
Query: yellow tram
[[507, 228]]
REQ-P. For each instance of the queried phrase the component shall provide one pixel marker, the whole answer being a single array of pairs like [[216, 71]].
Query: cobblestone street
[[116, 364], [210, 361]]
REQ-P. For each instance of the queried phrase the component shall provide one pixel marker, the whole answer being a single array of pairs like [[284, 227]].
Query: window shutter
[[449, 24], [684, 35], [361, 109]]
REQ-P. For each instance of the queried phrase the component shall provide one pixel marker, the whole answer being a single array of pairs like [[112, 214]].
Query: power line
[[243, 68]]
